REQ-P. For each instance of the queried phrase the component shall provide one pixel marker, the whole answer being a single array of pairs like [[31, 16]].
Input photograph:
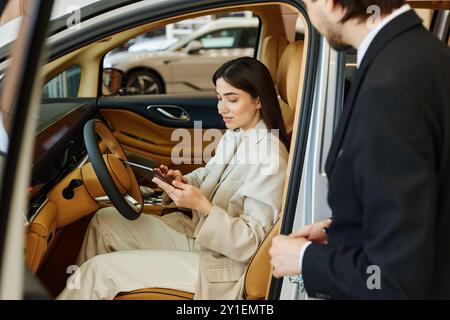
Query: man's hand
[[315, 232], [285, 250], [284, 255], [185, 195]]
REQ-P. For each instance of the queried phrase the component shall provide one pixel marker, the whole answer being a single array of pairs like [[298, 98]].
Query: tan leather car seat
[[289, 81], [271, 50], [258, 273], [255, 283]]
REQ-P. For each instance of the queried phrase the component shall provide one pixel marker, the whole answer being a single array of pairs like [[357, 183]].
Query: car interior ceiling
[[51, 244]]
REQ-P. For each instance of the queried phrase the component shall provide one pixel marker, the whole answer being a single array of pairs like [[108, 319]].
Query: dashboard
[[59, 147]]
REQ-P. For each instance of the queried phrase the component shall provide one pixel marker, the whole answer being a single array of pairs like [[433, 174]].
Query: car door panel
[[59, 146], [147, 133], [51, 110]]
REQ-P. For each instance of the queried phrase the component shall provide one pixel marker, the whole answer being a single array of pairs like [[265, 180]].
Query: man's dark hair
[[358, 8]]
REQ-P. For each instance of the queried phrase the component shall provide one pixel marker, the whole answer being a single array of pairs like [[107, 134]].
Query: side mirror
[[112, 81], [194, 47]]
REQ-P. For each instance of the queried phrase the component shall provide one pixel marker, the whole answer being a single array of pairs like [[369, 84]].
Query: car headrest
[[289, 69], [272, 49]]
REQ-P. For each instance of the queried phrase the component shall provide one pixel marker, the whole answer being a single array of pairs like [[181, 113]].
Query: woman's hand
[[185, 195], [176, 174], [315, 232]]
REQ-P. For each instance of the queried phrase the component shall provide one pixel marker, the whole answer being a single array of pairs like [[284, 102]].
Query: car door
[[144, 125], [18, 95], [43, 135]]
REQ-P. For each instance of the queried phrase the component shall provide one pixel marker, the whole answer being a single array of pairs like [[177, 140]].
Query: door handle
[[178, 113]]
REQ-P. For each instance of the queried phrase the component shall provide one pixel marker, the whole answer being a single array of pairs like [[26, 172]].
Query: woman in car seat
[[235, 200]]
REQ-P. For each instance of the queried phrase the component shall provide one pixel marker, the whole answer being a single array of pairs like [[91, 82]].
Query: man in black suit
[[388, 166]]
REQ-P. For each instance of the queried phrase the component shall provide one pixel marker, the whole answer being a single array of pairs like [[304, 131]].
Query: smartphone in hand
[[167, 179], [156, 171]]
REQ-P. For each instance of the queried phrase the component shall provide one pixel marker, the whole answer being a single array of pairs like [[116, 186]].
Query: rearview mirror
[[194, 47], [112, 81]]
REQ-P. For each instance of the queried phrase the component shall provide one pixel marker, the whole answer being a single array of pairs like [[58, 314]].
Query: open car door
[[18, 100]]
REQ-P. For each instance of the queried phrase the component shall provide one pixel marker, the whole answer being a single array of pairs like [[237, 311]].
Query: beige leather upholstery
[[138, 135], [70, 210], [288, 77], [288, 80], [155, 294], [39, 234], [259, 271], [272, 49]]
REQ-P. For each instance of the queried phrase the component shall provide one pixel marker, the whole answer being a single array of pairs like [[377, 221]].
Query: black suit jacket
[[389, 175]]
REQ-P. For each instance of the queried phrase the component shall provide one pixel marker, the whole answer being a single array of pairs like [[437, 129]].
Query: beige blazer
[[244, 182]]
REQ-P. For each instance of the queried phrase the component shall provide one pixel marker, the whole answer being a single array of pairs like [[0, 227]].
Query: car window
[[350, 68], [248, 39], [64, 85], [221, 39], [180, 57]]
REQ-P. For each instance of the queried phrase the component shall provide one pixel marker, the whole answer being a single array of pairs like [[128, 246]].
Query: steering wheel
[[117, 179]]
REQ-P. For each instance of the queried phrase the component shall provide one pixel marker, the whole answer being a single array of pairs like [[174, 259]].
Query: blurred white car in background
[[153, 44], [188, 64]]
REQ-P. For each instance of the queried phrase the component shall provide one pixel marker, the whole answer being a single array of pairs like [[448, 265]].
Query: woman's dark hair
[[253, 77]]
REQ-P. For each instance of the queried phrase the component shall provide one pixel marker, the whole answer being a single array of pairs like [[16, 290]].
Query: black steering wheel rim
[[90, 135]]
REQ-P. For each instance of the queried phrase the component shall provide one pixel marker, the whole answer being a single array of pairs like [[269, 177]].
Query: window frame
[[255, 52]]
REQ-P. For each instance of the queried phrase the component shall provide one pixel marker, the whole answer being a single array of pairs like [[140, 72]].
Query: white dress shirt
[[363, 47], [3, 136]]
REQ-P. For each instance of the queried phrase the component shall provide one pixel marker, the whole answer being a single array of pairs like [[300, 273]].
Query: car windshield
[[69, 12]]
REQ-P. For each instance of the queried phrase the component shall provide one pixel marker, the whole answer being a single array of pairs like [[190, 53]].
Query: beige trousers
[[120, 255]]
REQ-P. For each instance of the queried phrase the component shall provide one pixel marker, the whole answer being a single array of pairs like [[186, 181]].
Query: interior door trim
[[183, 117]]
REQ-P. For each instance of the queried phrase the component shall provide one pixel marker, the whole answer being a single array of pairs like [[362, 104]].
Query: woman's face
[[237, 107]]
